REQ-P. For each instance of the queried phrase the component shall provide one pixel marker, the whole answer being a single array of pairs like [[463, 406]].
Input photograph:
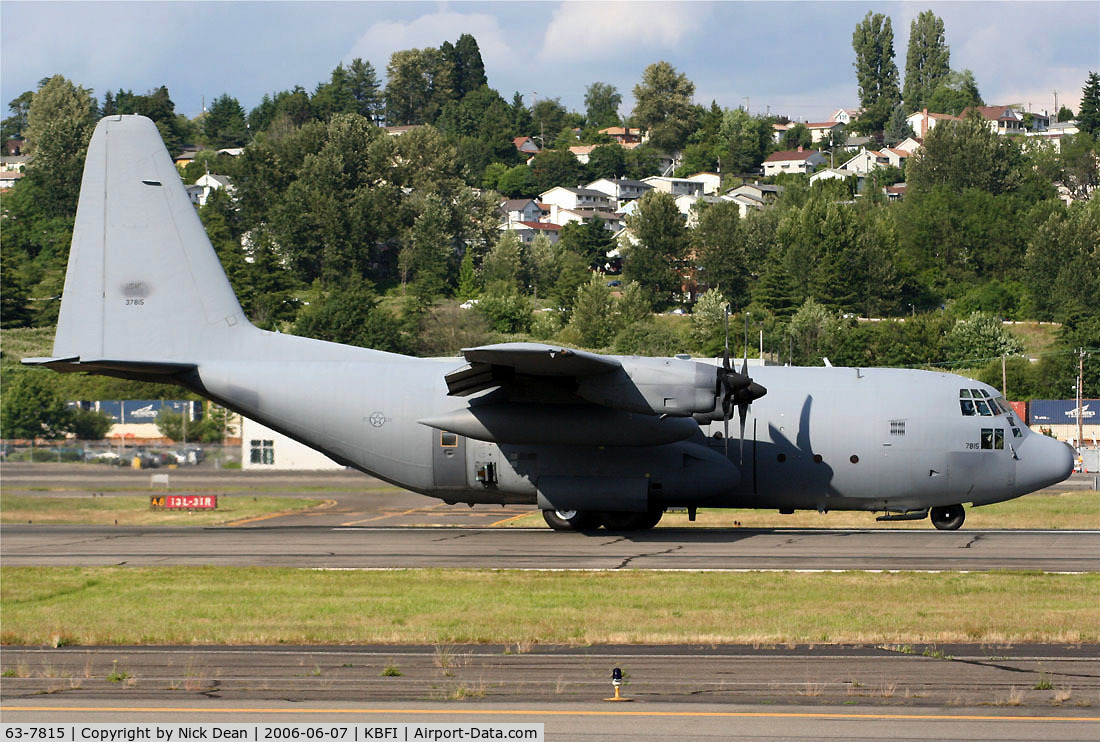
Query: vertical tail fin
[[143, 281]]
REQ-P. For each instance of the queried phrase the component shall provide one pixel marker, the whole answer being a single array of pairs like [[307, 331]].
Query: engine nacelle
[[655, 386]]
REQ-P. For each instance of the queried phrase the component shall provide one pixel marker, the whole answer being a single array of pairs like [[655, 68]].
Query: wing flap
[[495, 365]]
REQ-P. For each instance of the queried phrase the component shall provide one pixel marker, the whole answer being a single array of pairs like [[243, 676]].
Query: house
[[675, 186], [521, 210], [185, 157], [745, 202], [821, 130], [15, 145], [856, 143], [623, 135], [8, 179], [923, 122], [894, 192], [895, 156], [793, 161], [779, 131], [527, 231], [1008, 120], [611, 221], [865, 162], [761, 193], [686, 204], [845, 115], [206, 184], [621, 190], [712, 182], [574, 199], [831, 173], [582, 152], [396, 131], [909, 144], [14, 163], [526, 145], [1055, 132]]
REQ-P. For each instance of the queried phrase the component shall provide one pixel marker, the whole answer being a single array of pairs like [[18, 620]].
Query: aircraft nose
[[1046, 460]]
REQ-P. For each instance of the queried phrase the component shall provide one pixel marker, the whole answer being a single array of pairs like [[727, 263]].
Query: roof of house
[[516, 204], [542, 225], [792, 155], [612, 131], [583, 149], [822, 125], [897, 152], [994, 113]]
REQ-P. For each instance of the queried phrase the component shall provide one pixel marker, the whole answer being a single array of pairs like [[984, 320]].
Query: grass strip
[[1070, 510], [135, 510], [257, 605]]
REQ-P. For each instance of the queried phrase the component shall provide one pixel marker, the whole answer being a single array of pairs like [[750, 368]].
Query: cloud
[[384, 38], [591, 31]]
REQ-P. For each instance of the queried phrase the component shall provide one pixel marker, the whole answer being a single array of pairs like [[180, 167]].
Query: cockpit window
[[983, 408], [967, 407], [964, 394], [978, 393]]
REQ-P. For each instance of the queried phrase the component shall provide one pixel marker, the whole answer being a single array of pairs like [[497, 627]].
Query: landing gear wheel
[[947, 517], [570, 520], [631, 521]]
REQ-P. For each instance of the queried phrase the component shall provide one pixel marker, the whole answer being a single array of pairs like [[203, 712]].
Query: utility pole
[[1004, 376], [1080, 397]]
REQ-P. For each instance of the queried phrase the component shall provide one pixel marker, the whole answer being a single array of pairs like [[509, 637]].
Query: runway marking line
[[510, 519], [410, 511], [245, 521], [558, 712]]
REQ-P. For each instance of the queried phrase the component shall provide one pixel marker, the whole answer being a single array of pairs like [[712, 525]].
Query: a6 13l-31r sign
[[184, 502]]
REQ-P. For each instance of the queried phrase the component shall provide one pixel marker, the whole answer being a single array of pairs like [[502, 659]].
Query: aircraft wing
[[495, 365]]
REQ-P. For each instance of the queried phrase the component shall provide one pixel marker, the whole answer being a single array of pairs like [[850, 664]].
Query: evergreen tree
[[897, 128], [876, 72], [1088, 115], [467, 278], [601, 105], [593, 313], [224, 123], [927, 63], [654, 261]]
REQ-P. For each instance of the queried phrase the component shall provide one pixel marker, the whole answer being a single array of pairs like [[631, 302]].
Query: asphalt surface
[[829, 692]]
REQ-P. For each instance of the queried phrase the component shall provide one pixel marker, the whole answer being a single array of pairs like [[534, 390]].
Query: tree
[[589, 239], [981, 336], [350, 314], [505, 263], [89, 425], [1088, 115], [927, 62], [419, 85], [633, 306], [797, 136], [708, 322], [661, 242], [429, 251], [553, 167], [959, 155], [743, 141], [897, 128], [33, 408], [876, 72], [957, 92], [593, 313], [224, 124], [601, 105], [663, 106], [1064, 114], [466, 66], [720, 252], [14, 125], [607, 161], [59, 124]]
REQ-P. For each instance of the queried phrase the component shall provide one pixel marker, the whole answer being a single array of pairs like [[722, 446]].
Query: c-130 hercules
[[590, 439]]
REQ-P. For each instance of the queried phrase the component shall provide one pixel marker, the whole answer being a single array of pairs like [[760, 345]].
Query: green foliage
[[647, 339], [33, 408], [979, 337], [1088, 115], [633, 305], [876, 72], [593, 313], [956, 92], [89, 425], [743, 141], [552, 167], [59, 124], [350, 314], [223, 125], [507, 263], [662, 105], [505, 309], [928, 61], [601, 105], [708, 323], [814, 330], [720, 251], [418, 85], [654, 261]]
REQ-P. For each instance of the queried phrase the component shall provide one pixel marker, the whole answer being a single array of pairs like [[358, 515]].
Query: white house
[[621, 190], [686, 203], [821, 130], [830, 173], [744, 203], [845, 115], [866, 161], [923, 122], [206, 184], [675, 186], [575, 199], [262, 449], [793, 161], [527, 231], [761, 192], [712, 182], [521, 210]]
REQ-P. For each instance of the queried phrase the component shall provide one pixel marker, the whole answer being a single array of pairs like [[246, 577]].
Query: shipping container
[[1020, 408], [1063, 412]]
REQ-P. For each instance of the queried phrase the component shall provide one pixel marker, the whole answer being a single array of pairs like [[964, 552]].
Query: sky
[[782, 58]]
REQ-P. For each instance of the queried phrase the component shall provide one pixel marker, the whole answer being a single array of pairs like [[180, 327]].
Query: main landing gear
[[947, 517], [581, 520]]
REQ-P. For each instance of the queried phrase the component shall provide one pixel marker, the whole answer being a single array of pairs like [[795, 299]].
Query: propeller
[[736, 388]]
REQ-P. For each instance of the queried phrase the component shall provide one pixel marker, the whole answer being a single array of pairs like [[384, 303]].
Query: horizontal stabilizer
[[123, 369]]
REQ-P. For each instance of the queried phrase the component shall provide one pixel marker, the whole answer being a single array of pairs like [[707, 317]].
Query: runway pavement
[[680, 692], [689, 549]]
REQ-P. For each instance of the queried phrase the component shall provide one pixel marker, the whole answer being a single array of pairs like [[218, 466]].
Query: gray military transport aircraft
[[590, 439]]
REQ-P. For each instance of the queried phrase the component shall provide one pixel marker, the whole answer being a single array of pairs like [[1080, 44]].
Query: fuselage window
[[999, 439], [448, 440], [1016, 433], [967, 407], [987, 439], [993, 439]]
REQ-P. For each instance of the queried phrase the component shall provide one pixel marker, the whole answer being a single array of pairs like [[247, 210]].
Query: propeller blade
[[742, 411]]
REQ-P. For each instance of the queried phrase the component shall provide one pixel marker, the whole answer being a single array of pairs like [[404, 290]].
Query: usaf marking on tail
[[590, 439]]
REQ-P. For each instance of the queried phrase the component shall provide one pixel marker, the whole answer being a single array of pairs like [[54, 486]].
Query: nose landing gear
[[947, 517]]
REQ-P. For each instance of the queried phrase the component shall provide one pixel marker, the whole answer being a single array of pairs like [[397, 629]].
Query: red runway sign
[[184, 502]]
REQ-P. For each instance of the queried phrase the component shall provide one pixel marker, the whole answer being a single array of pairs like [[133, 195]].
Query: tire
[[947, 517], [569, 520], [631, 521]]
